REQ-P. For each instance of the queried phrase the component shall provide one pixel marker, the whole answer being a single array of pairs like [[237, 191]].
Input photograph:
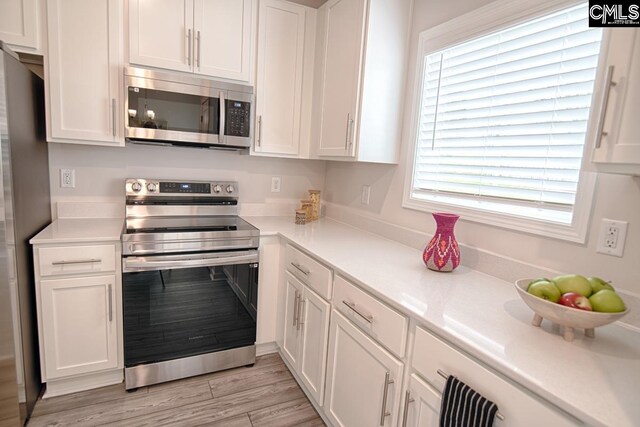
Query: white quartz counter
[[70, 230], [596, 380]]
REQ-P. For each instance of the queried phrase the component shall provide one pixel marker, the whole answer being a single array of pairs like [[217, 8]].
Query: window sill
[[576, 231]]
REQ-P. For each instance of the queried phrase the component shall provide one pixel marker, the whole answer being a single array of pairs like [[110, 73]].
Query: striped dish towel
[[462, 406]]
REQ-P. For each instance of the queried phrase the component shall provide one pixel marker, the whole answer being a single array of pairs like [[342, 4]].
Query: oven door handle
[[132, 264]]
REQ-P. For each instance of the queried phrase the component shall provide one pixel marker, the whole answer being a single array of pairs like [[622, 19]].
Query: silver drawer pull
[[387, 382], [444, 375], [352, 306], [407, 400], [76, 261], [301, 268]]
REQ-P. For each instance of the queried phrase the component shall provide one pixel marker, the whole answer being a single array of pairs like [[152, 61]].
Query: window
[[502, 121]]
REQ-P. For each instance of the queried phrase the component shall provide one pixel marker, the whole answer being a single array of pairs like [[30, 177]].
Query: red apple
[[575, 300]]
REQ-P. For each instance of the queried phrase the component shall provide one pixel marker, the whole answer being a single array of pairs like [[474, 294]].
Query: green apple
[[573, 283], [545, 289], [597, 284], [539, 279], [607, 301]]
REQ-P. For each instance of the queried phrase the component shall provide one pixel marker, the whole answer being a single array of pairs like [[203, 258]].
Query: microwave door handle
[[223, 117]]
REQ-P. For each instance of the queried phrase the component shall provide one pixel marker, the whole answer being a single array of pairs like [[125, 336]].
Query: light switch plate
[[366, 194], [68, 178], [276, 183]]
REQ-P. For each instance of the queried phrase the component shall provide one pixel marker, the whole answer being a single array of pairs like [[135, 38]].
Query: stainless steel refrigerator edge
[[25, 208]]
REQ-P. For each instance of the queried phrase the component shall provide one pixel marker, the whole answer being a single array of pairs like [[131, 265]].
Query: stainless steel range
[[190, 281]]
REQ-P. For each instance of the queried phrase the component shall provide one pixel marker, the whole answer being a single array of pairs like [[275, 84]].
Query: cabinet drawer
[[518, 407], [309, 271], [380, 321], [76, 259]]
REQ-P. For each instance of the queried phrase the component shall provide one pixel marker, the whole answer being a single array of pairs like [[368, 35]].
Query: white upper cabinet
[[617, 142], [19, 27], [83, 72], [284, 75], [361, 73], [207, 37], [343, 21], [161, 33], [223, 38]]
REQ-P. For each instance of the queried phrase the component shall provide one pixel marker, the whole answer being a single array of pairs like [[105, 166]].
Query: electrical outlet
[[612, 236], [275, 184], [68, 178], [366, 194]]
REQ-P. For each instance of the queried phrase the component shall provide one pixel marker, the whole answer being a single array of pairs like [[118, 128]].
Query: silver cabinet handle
[[407, 399], [198, 50], [301, 268], [387, 382], [608, 83], [259, 138], [189, 47], [298, 311], [295, 310], [350, 131], [113, 116], [347, 138], [303, 306], [110, 292], [223, 117], [352, 306], [77, 261], [444, 375]]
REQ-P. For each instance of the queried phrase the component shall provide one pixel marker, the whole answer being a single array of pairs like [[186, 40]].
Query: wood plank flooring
[[263, 395]]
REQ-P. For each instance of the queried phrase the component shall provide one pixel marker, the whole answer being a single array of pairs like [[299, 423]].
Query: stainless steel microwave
[[168, 108]]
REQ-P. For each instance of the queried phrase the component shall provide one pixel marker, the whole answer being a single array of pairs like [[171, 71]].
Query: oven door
[[178, 306]]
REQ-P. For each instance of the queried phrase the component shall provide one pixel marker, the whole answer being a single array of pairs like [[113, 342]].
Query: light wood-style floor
[[263, 395]]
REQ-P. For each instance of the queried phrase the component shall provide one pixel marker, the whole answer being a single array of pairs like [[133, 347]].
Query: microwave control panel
[[238, 118]]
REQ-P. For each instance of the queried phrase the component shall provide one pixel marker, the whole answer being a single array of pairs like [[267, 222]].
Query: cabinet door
[[19, 23], [83, 72], [343, 32], [161, 33], [356, 378], [422, 404], [314, 317], [291, 340], [619, 149], [222, 38], [79, 325], [281, 30]]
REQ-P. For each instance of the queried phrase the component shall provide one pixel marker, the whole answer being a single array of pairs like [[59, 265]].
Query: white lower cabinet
[[421, 404], [306, 328], [79, 328], [363, 379]]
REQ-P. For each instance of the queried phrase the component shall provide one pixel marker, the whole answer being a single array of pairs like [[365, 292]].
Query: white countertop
[[596, 380], [72, 230]]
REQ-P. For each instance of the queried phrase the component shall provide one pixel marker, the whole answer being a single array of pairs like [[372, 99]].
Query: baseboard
[[64, 386], [266, 348]]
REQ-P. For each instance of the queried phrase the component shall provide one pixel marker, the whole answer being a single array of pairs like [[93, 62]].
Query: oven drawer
[[309, 271], [64, 260], [376, 318]]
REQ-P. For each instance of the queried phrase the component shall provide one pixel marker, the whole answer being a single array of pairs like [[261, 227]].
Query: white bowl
[[568, 317]]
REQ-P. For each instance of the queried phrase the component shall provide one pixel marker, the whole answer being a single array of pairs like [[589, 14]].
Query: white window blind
[[504, 117]]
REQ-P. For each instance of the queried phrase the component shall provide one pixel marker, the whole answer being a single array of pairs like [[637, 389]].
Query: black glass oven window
[[157, 109], [170, 314]]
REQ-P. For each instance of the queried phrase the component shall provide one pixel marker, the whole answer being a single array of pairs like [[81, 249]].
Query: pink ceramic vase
[[442, 252]]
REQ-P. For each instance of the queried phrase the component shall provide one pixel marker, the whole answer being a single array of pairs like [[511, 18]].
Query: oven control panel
[[153, 187]]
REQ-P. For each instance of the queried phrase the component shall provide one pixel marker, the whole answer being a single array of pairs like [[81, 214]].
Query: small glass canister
[[301, 217], [314, 196], [307, 206]]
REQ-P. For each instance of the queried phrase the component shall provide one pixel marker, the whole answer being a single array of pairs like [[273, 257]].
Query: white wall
[[101, 171], [617, 197]]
